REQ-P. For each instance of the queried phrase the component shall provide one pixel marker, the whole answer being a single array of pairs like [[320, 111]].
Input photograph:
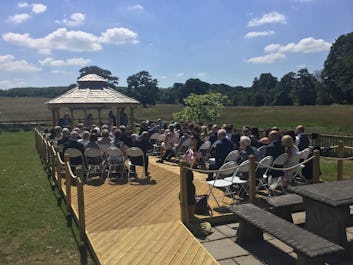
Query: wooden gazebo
[[92, 93]]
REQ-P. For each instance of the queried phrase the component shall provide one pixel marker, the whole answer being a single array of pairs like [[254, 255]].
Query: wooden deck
[[139, 223]]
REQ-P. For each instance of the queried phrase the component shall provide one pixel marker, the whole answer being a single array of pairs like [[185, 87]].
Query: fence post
[[340, 151], [68, 188], [184, 214], [81, 216], [316, 167], [252, 180]]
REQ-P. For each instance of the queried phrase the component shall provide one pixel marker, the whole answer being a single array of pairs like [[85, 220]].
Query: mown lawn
[[32, 227]]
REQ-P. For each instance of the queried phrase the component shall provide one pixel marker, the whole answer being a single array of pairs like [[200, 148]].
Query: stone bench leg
[[303, 259], [284, 213], [248, 233]]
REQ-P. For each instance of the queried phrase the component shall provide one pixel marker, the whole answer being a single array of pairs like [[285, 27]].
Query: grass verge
[[33, 229]]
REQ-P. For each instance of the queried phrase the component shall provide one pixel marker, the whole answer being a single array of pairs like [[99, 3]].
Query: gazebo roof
[[91, 78], [78, 98]]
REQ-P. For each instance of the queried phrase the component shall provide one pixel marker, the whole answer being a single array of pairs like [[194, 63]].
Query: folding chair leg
[[214, 197]]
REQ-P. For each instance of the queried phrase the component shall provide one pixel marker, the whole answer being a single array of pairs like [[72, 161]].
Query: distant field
[[321, 119]]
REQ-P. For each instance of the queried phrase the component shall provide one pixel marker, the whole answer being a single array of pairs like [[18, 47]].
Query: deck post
[[68, 188], [184, 215], [340, 151], [252, 180], [316, 166], [81, 205]]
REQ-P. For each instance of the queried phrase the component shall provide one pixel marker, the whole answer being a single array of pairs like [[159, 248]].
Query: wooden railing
[[56, 169]]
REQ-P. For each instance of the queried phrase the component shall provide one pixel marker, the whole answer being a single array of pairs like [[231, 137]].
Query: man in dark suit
[[72, 143], [223, 147], [274, 149]]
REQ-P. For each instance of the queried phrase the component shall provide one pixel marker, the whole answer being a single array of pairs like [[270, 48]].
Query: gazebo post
[[72, 117], [57, 112], [118, 109], [53, 117], [99, 117], [85, 116], [132, 120]]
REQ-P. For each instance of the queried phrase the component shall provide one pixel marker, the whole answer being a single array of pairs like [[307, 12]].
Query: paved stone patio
[[221, 244]]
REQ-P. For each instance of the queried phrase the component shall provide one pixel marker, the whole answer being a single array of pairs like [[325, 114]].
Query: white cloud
[[269, 18], [268, 58], [22, 4], [136, 7], [306, 45], [118, 36], [68, 62], [254, 34], [76, 19], [38, 8], [9, 64], [180, 74], [19, 18], [74, 41]]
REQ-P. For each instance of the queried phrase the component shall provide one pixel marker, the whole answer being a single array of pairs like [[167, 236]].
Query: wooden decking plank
[[169, 246], [142, 247], [156, 243], [128, 247]]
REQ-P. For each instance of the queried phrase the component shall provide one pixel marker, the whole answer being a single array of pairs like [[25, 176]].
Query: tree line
[[333, 84]]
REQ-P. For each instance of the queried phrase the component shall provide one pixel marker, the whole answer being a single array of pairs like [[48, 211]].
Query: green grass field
[[321, 119], [32, 227]]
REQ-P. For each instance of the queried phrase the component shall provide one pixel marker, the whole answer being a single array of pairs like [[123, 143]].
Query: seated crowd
[[180, 138]]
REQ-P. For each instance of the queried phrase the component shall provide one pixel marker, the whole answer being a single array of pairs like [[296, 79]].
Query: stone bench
[[284, 205], [253, 221]]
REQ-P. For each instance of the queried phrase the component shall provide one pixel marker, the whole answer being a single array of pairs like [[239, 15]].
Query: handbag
[[202, 207]]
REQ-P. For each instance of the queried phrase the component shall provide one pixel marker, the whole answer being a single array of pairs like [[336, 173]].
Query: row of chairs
[[231, 174], [95, 161]]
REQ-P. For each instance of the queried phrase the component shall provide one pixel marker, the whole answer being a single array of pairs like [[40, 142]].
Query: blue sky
[[45, 43]]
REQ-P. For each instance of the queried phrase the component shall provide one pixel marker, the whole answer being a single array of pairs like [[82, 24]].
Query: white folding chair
[[115, 161], [76, 155], [158, 145], [221, 183], [262, 169], [274, 182], [232, 156], [304, 154], [204, 150], [131, 153], [153, 138], [183, 147], [240, 179], [261, 150], [94, 160]]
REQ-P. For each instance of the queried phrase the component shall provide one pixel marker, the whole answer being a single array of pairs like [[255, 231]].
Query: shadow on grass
[[81, 246]]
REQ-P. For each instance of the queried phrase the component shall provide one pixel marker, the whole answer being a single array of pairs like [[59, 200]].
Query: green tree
[[193, 86], [142, 87], [202, 108], [305, 88], [263, 89], [338, 70], [283, 90], [112, 80]]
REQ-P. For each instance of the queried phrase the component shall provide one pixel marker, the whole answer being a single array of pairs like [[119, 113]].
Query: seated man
[[274, 149], [169, 143], [222, 148], [301, 140]]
